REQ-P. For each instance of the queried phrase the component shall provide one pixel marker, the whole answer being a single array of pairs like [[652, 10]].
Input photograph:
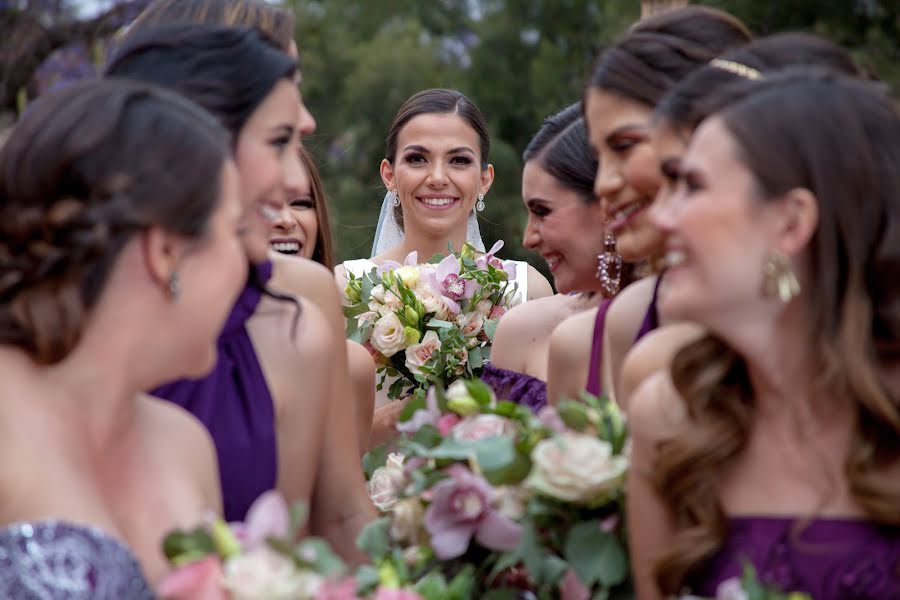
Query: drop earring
[[396, 200], [779, 280], [609, 267], [479, 206], [174, 286]]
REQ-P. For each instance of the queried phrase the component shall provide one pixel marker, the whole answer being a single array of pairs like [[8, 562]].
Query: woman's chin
[[639, 244]]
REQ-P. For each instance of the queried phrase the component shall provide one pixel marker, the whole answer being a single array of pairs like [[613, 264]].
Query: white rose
[[484, 307], [470, 323], [384, 301], [434, 303], [265, 574], [419, 354], [388, 336], [576, 467], [406, 521], [479, 427], [384, 486], [409, 275]]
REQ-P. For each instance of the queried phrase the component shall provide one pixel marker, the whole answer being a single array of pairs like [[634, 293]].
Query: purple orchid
[[461, 509], [267, 517], [446, 282], [490, 259], [423, 416]]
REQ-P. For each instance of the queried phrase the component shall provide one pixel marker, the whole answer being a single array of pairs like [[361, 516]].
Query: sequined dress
[[50, 560]]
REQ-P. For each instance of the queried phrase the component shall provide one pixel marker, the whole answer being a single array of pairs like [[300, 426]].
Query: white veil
[[388, 234]]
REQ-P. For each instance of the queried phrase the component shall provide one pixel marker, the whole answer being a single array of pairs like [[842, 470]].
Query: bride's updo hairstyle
[[852, 296], [84, 171], [437, 101]]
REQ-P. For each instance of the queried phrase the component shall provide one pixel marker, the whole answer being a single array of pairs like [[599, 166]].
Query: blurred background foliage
[[518, 60]]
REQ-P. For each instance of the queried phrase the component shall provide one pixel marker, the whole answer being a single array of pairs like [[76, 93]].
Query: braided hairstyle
[[84, 171]]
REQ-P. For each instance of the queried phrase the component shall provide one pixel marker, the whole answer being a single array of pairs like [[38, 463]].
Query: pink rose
[[479, 427], [470, 323], [447, 422], [345, 589], [199, 580], [419, 354], [497, 312]]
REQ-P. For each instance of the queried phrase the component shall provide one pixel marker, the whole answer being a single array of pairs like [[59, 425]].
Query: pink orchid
[[549, 418], [489, 258], [199, 580], [411, 260], [423, 416], [392, 594], [461, 509], [268, 516], [446, 282], [571, 587], [343, 589]]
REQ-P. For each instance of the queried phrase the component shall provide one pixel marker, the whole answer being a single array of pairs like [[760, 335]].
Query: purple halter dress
[[235, 404], [829, 559], [650, 322], [513, 386]]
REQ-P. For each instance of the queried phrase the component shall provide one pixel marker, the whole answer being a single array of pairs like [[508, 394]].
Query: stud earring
[[779, 280], [174, 286], [396, 200], [480, 205], [609, 267]]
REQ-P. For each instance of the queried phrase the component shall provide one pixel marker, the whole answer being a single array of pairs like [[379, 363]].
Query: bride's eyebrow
[[416, 148]]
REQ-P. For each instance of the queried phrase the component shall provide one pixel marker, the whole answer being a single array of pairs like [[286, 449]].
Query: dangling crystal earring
[[779, 280], [609, 267], [174, 286], [396, 200], [480, 205]]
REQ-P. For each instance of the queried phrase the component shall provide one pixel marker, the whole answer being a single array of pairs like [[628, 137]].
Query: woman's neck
[[427, 245]]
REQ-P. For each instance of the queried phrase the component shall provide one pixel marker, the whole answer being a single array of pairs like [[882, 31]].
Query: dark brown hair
[[78, 179], [852, 296], [437, 101], [688, 102], [324, 251], [659, 51], [277, 23]]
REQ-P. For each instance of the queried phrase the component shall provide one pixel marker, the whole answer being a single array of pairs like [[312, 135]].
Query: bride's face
[[437, 172]]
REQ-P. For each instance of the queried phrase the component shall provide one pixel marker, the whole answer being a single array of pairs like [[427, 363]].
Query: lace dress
[[49, 560]]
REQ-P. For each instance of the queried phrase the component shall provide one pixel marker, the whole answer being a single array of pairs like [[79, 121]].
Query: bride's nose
[[437, 175]]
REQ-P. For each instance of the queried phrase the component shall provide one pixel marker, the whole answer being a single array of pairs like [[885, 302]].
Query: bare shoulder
[[573, 336], [627, 310], [656, 410], [538, 286], [522, 327], [530, 315], [360, 360], [177, 426], [303, 277], [654, 352]]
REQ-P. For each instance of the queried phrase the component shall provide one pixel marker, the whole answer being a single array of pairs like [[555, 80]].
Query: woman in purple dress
[[120, 261], [773, 439], [268, 403], [565, 226]]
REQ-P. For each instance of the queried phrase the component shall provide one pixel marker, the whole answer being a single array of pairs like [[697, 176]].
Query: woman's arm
[[569, 357], [362, 377]]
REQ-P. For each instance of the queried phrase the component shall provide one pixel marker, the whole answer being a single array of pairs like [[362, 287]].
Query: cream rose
[[388, 336], [433, 303], [383, 301], [406, 521], [576, 467], [484, 307], [470, 323], [264, 573], [409, 275], [478, 427], [387, 482], [419, 354]]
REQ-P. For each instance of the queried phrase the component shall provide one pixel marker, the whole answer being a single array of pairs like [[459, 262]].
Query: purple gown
[[829, 559], [235, 404], [650, 322], [513, 386], [52, 560]]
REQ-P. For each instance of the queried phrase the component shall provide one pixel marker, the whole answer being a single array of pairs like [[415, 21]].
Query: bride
[[437, 175]]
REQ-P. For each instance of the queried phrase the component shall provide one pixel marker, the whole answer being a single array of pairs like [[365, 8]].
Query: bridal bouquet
[[749, 587], [430, 323], [259, 560], [483, 499]]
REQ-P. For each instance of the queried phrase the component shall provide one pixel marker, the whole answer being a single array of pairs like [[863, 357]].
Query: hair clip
[[736, 68]]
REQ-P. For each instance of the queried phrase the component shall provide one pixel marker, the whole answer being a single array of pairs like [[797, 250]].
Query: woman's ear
[[163, 252], [797, 220], [487, 178], [387, 174]]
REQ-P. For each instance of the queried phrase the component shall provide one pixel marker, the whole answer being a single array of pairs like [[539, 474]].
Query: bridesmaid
[[299, 278], [121, 260], [625, 84], [565, 225], [774, 438], [674, 121], [268, 404]]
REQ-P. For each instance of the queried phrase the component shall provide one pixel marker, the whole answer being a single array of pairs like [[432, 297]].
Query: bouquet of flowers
[[749, 587], [258, 560], [430, 323], [483, 499]]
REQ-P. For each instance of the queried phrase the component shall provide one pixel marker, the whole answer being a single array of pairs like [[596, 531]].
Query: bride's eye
[[461, 160], [413, 158]]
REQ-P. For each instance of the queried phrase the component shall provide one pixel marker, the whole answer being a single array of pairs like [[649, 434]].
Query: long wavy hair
[[852, 297], [324, 250]]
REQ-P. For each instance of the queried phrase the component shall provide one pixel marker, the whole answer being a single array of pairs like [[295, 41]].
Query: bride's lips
[[627, 213], [438, 201]]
